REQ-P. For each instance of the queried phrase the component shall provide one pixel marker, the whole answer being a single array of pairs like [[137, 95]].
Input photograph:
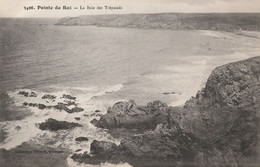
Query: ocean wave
[[211, 33], [190, 78], [186, 78], [26, 129], [112, 88]]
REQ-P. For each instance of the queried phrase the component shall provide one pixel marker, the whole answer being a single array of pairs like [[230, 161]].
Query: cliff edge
[[218, 127]]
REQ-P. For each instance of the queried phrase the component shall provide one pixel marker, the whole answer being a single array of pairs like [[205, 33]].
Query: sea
[[101, 66]]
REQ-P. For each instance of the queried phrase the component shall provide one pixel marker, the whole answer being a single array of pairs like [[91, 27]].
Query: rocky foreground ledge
[[218, 127]]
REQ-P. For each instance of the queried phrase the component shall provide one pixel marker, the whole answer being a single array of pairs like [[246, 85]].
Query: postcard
[[129, 83]]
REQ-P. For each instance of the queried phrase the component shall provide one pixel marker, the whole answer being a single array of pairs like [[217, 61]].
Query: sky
[[15, 8]]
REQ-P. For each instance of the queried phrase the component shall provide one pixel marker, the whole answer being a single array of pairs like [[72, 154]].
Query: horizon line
[[135, 14]]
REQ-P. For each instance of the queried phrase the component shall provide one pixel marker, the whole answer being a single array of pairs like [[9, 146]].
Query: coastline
[[154, 121], [229, 22], [201, 132], [89, 93]]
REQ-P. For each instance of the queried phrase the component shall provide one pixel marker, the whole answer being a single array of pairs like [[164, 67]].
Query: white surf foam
[[28, 126], [93, 89], [190, 78], [211, 33], [184, 79], [72, 163]]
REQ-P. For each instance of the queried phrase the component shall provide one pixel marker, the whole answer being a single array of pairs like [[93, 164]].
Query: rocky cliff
[[218, 127], [129, 115]]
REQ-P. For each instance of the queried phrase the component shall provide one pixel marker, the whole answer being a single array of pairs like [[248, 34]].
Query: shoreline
[[236, 32]]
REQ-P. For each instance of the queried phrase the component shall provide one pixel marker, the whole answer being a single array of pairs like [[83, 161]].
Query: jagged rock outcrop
[[221, 121], [68, 97], [100, 150], [218, 127], [76, 109], [80, 139], [227, 109], [102, 147], [65, 105], [49, 96], [27, 94], [40, 106], [130, 115], [60, 106]]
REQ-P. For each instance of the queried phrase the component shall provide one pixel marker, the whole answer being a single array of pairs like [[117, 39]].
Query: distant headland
[[175, 21]]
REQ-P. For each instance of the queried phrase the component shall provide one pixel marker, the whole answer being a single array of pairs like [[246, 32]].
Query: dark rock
[[62, 106], [26, 94], [77, 118], [33, 104], [94, 122], [78, 150], [80, 139], [33, 94], [102, 147], [49, 96], [70, 103], [68, 97], [218, 127], [129, 115], [169, 93], [227, 106], [80, 157], [163, 143], [54, 125], [41, 106], [76, 109], [121, 107], [97, 111], [17, 128], [217, 158]]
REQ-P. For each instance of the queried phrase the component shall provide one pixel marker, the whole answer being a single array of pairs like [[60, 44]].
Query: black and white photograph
[[129, 83]]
